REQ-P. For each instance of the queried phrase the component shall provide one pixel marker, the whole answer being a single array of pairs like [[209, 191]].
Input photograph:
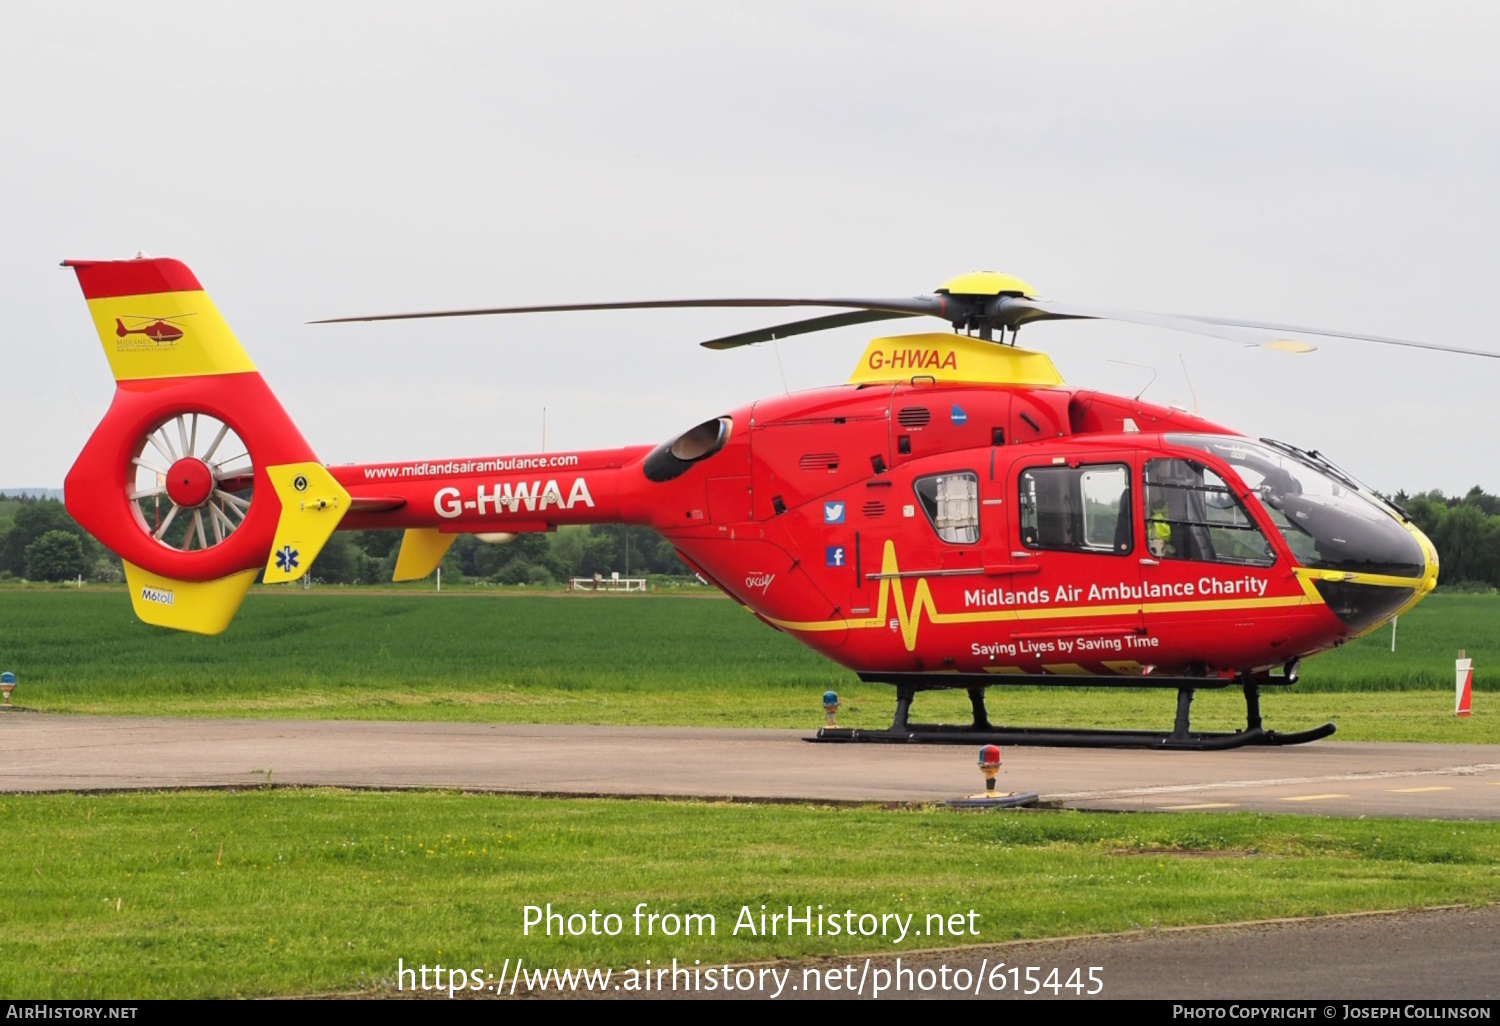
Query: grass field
[[641, 660], [288, 891], [293, 891]]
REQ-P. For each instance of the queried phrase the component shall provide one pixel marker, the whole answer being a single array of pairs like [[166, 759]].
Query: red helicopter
[[952, 517], [156, 329]]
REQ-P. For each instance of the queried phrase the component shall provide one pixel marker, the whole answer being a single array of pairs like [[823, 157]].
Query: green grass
[[288, 891], [481, 656], [1428, 639]]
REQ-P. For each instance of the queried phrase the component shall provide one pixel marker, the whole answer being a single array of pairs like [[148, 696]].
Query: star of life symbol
[[286, 559]]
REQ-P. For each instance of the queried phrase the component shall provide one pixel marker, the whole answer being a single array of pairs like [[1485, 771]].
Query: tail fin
[[128, 297], [196, 477]]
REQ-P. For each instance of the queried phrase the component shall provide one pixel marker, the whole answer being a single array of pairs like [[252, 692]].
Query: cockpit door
[[1207, 566]]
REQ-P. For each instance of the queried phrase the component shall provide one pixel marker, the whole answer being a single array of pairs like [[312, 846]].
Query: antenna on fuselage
[[1191, 390], [1142, 366], [776, 345]]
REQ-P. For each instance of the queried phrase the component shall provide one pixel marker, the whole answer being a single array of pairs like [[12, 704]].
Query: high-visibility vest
[[1157, 525]]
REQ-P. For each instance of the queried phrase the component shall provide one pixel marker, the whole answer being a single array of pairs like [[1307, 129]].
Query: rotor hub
[[986, 283], [189, 482]]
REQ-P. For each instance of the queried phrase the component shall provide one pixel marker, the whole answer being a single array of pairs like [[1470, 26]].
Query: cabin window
[[1192, 514], [1077, 509], [951, 502]]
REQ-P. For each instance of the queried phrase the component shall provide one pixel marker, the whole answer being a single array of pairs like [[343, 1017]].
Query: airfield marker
[[989, 763], [830, 704], [989, 798], [1465, 685], [7, 685]]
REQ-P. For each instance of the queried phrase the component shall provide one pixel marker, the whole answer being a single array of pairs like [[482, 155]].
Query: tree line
[[366, 557], [1464, 530], [39, 541]]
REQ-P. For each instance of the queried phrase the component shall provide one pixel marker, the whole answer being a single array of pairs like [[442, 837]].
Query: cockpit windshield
[[1326, 519]]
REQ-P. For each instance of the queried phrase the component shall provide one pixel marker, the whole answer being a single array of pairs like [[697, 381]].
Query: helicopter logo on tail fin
[[160, 331]]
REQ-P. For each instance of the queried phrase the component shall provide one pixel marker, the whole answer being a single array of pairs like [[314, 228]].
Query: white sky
[[1321, 163]]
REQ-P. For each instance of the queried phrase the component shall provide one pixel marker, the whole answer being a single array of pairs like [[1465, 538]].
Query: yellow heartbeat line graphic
[[909, 617]]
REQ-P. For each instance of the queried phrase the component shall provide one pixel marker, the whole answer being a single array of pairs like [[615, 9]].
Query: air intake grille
[[873, 509], [914, 416], [819, 461]]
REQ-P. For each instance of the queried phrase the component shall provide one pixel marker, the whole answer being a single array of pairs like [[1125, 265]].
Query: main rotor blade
[[750, 338], [1017, 311], [1382, 339], [934, 305]]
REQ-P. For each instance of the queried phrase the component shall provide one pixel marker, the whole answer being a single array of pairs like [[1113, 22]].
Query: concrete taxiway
[[40, 752]]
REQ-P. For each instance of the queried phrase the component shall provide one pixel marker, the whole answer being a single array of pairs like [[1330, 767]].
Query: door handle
[[1150, 562]]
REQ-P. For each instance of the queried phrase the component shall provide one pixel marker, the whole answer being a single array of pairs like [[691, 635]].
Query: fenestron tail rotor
[[984, 304], [191, 483]]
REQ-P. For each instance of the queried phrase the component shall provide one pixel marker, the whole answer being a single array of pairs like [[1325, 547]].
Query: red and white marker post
[[1464, 689]]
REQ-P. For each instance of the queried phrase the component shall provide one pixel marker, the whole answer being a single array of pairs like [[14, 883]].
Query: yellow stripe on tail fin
[[155, 320]]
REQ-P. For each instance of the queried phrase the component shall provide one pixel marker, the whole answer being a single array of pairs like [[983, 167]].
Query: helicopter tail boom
[[196, 478]]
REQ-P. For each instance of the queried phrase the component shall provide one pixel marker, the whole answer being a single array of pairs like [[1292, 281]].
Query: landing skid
[[981, 732]]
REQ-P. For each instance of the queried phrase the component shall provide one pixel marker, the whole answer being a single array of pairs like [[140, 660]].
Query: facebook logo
[[833, 512], [835, 555]]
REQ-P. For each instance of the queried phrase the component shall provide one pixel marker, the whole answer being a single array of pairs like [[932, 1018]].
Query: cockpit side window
[[1191, 514], [951, 502], [1077, 509]]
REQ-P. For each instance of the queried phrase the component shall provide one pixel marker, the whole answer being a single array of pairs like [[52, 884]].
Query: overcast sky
[[1322, 163]]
